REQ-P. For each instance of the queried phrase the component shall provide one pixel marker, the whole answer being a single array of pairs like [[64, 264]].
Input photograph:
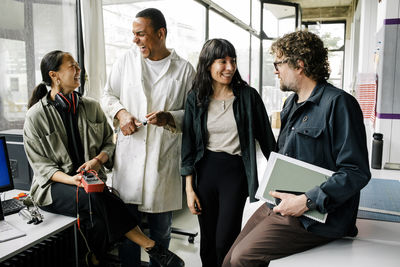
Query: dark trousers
[[159, 225], [268, 236], [222, 190], [110, 217]]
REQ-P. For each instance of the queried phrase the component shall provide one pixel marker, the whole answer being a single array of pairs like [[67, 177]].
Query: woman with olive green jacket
[[66, 135], [45, 137]]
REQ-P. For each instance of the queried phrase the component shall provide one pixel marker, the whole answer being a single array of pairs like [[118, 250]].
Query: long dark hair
[[213, 49], [50, 62]]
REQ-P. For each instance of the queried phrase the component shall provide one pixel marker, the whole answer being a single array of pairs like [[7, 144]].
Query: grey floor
[[189, 252], [180, 245]]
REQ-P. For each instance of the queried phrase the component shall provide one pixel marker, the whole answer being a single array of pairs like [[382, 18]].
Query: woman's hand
[[77, 180], [64, 178], [193, 202]]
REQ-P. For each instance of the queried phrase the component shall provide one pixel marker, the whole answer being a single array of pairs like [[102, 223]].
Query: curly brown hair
[[307, 47]]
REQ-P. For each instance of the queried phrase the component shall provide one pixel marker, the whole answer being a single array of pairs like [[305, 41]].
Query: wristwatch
[[310, 204]]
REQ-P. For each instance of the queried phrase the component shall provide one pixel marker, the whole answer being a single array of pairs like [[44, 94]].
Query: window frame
[[27, 36], [341, 49]]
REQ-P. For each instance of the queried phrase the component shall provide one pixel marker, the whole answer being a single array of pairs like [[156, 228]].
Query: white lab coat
[[147, 163]]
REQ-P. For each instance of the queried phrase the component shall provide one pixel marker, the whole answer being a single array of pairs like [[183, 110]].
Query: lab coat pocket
[[175, 95], [169, 153], [122, 139]]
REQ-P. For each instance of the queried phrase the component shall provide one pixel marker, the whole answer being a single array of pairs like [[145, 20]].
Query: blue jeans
[[160, 231]]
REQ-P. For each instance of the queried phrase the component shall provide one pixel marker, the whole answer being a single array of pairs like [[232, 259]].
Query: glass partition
[[186, 30], [255, 63], [255, 15], [222, 28], [278, 19], [238, 8], [333, 36], [271, 94], [29, 30]]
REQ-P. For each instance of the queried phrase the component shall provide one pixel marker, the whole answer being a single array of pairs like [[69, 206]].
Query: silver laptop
[[8, 231]]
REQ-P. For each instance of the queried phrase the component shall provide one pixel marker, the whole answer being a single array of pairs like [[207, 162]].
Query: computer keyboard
[[11, 206]]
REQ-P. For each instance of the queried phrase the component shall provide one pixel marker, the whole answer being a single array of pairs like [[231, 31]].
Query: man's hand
[[127, 122], [160, 118], [291, 205], [92, 164]]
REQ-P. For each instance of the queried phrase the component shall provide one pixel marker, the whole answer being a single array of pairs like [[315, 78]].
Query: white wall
[[369, 56], [388, 69], [363, 47]]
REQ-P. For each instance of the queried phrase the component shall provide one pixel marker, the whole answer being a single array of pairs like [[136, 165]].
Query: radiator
[[57, 250]]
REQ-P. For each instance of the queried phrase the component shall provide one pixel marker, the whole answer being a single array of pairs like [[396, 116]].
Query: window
[[333, 36], [255, 14], [14, 84], [186, 30], [29, 30], [279, 19], [271, 93], [222, 28], [238, 8], [255, 63]]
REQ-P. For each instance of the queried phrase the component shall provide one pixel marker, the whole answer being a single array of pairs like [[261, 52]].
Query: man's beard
[[285, 88]]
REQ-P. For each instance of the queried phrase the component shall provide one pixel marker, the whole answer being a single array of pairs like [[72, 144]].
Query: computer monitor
[[21, 171], [6, 180]]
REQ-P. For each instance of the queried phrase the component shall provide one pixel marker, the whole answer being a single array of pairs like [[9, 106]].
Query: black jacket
[[328, 130], [252, 123]]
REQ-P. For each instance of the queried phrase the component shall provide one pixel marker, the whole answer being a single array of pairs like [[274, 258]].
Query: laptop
[[8, 231]]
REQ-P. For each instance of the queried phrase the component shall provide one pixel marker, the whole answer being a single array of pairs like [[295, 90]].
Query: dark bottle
[[377, 148]]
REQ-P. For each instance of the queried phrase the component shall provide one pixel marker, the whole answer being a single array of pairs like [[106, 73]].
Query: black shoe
[[89, 260], [164, 257]]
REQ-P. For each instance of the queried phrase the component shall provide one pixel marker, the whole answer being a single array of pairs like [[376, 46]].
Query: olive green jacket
[[46, 143]]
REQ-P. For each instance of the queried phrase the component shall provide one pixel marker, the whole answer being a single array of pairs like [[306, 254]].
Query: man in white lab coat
[[145, 95]]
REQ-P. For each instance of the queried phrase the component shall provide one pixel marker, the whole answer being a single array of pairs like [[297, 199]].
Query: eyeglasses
[[277, 63]]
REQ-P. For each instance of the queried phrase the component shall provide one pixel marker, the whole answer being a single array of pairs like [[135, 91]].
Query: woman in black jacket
[[223, 118]]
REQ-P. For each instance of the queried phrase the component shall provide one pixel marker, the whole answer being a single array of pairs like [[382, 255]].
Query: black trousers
[[110, 217], [222, 190]]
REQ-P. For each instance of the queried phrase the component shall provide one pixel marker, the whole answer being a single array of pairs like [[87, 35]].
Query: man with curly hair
[[321, 125]]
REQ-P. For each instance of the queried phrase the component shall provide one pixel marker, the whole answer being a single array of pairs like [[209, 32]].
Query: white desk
[[377, 244], [51, 225]]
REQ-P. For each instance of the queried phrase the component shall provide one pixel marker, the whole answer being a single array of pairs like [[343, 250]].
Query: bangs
[[217, 48], [224, 49]]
